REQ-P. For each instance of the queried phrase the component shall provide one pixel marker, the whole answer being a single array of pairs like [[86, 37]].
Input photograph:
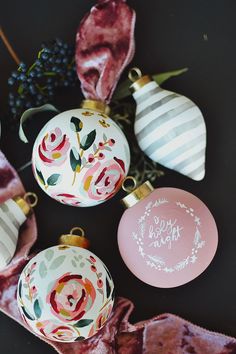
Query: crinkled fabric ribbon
[[162, 334], [104, 47]]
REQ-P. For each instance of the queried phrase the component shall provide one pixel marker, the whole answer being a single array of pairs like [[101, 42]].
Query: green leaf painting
[[20, 289], [27, 315], [74, 263], [108, 287], [88, 140], [40, 177], [57, 262], [83, 323], [113, 294], [37, 309], [54, 179], [42, 270], [75, 159], [49, 254], [76, 124]]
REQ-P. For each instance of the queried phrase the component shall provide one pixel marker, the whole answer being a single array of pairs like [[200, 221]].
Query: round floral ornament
[[65, 294], [81, 158]]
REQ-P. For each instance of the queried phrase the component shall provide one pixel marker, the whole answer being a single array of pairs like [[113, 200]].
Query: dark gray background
[[169, 35]]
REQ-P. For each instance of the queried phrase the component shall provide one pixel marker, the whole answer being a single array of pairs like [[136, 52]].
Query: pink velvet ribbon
[[104, 47]]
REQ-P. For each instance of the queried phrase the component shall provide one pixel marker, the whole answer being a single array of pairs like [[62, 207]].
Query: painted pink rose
[[55, 331], [103, 180], [71, 297], [66, 198], [53, 148]]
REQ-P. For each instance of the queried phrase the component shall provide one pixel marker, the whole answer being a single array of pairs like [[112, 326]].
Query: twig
[[9, 47], [22, 168]]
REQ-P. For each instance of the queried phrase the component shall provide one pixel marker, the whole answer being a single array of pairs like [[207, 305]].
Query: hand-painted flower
[[66, 198], [71, 297], [56, 331], [53, 148], [103, 180], [101, 320]]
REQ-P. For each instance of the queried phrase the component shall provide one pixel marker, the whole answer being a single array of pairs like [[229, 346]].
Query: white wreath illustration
[[157, 262]]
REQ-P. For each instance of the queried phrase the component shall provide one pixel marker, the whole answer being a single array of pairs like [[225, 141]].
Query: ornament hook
[[76, 237], [130, 188], [134, 74], [31, 199], [77, 228]]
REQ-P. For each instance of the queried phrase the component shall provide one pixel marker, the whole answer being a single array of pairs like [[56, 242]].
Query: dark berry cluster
[[35, 85]]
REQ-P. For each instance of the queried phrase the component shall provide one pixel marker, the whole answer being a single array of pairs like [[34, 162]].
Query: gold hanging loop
[[77, 228], [76, 237], [134, 74], [131, 187], [31, 199]]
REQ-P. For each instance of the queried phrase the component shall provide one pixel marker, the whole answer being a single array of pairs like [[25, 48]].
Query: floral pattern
[[53, 148], [66, 198], [71, 297], [103, 180], [63, 292], [56, 331], [101, 319], [90, 150]]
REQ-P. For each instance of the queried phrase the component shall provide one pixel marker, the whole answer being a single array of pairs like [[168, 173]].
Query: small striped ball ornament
[[13, 213], [170, 128]]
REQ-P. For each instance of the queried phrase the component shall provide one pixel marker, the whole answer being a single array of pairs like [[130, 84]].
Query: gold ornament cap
[[139, 80], [95, 105], [27, 202], [135, 194], [76, 237]]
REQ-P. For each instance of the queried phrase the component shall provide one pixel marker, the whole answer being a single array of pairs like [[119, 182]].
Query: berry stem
[[31, 68], [73, 182], [49, 73], [9, 47], [78, 138], [40, 52], [20, 89], [40, 89]]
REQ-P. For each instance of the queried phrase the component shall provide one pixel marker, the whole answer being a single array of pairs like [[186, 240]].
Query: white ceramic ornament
[[81, 156], [170, 128], [65, 293], [13, 213]]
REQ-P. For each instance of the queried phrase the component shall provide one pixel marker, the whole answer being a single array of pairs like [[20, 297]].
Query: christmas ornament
[[81, 156], [167, 236], [169, 127], [66, 293], [13, 213]]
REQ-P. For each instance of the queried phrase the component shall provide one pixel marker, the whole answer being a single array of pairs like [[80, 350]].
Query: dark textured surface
[[169, 35]]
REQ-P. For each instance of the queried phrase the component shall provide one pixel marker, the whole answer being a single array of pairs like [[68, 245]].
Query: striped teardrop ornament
[[169, 127], [13, 213]]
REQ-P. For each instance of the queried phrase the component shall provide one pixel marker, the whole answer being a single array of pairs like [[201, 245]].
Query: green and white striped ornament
[[169, 127], [13, 213]]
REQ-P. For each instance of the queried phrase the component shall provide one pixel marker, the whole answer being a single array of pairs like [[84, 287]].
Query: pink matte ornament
[[167, 237]]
